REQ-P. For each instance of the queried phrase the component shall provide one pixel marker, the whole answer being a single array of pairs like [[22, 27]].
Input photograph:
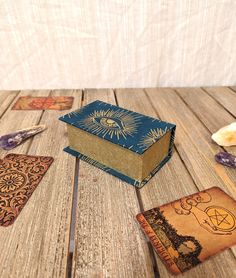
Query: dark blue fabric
[[115, 173], [120, 126]]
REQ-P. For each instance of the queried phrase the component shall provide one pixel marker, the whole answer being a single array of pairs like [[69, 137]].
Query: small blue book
[[126, 144]]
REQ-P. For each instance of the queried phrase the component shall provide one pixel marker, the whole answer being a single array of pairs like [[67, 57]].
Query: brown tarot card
[[43, 103], [19, 176], [186, 232]]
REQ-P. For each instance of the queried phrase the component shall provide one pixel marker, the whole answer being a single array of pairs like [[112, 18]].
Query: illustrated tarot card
[[186, 232], [43, 103]]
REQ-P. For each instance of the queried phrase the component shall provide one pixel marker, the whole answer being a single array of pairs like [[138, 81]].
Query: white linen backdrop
[[117, 43]]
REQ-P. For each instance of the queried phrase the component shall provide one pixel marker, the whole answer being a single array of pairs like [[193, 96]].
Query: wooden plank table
[[80, 221]]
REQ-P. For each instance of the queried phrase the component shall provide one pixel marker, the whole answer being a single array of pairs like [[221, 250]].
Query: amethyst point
[[12, 140], [226, 159]]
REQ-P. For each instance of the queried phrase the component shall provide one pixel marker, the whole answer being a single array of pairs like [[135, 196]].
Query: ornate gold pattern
[[19, 176], [118, 123], [11, 182], [151, 137]]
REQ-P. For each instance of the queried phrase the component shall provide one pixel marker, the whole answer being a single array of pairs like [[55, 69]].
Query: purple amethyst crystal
[[11, 140], [226, 159]]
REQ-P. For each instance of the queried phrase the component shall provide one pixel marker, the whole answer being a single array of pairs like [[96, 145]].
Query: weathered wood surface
[[6, 98], [225, 96], [211, 113], [106, 239], [36, 245], [173, 176]]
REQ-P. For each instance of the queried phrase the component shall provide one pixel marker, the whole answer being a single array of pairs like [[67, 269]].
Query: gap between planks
[[74, 203], [137, 192], [203, 123], [10, 104], [38, 123], [175, 148], [89, 259], [204, 89], [28, 147], [141, 206], [73, 220], [73, 211], [207, 128], [232, 88], [166, 102]]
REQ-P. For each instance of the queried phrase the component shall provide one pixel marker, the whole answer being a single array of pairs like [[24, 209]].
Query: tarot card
[[19, 176], [43, 103], [186, 232]]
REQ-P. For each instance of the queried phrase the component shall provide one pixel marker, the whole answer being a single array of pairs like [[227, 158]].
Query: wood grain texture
[[173, 181], [36, 245], [6, 98], [233, 88], [225, 96], [208, 110], [108, 240], [193, 142], [21, 119]]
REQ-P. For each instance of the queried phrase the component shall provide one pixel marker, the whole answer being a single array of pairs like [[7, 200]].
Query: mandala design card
[[186, 232], [19, 176], [43, 103]]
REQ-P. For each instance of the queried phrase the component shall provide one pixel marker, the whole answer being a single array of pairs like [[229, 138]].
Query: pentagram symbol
[[221, 218]]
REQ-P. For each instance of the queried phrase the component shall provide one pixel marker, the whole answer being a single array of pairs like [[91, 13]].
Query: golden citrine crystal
[[226, 136]]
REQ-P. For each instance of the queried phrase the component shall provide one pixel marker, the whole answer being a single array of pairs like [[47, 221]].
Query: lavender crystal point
[[226, 159], [12, 140]]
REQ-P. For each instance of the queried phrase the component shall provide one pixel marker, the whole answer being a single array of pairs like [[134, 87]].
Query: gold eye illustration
[[109, 122], [117, 123]]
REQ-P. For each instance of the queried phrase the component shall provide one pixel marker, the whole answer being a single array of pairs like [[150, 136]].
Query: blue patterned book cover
[[128, 129]]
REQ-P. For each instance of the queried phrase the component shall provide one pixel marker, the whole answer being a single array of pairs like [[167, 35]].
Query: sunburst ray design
[[119, 123], [151, 137], [75, 113]]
